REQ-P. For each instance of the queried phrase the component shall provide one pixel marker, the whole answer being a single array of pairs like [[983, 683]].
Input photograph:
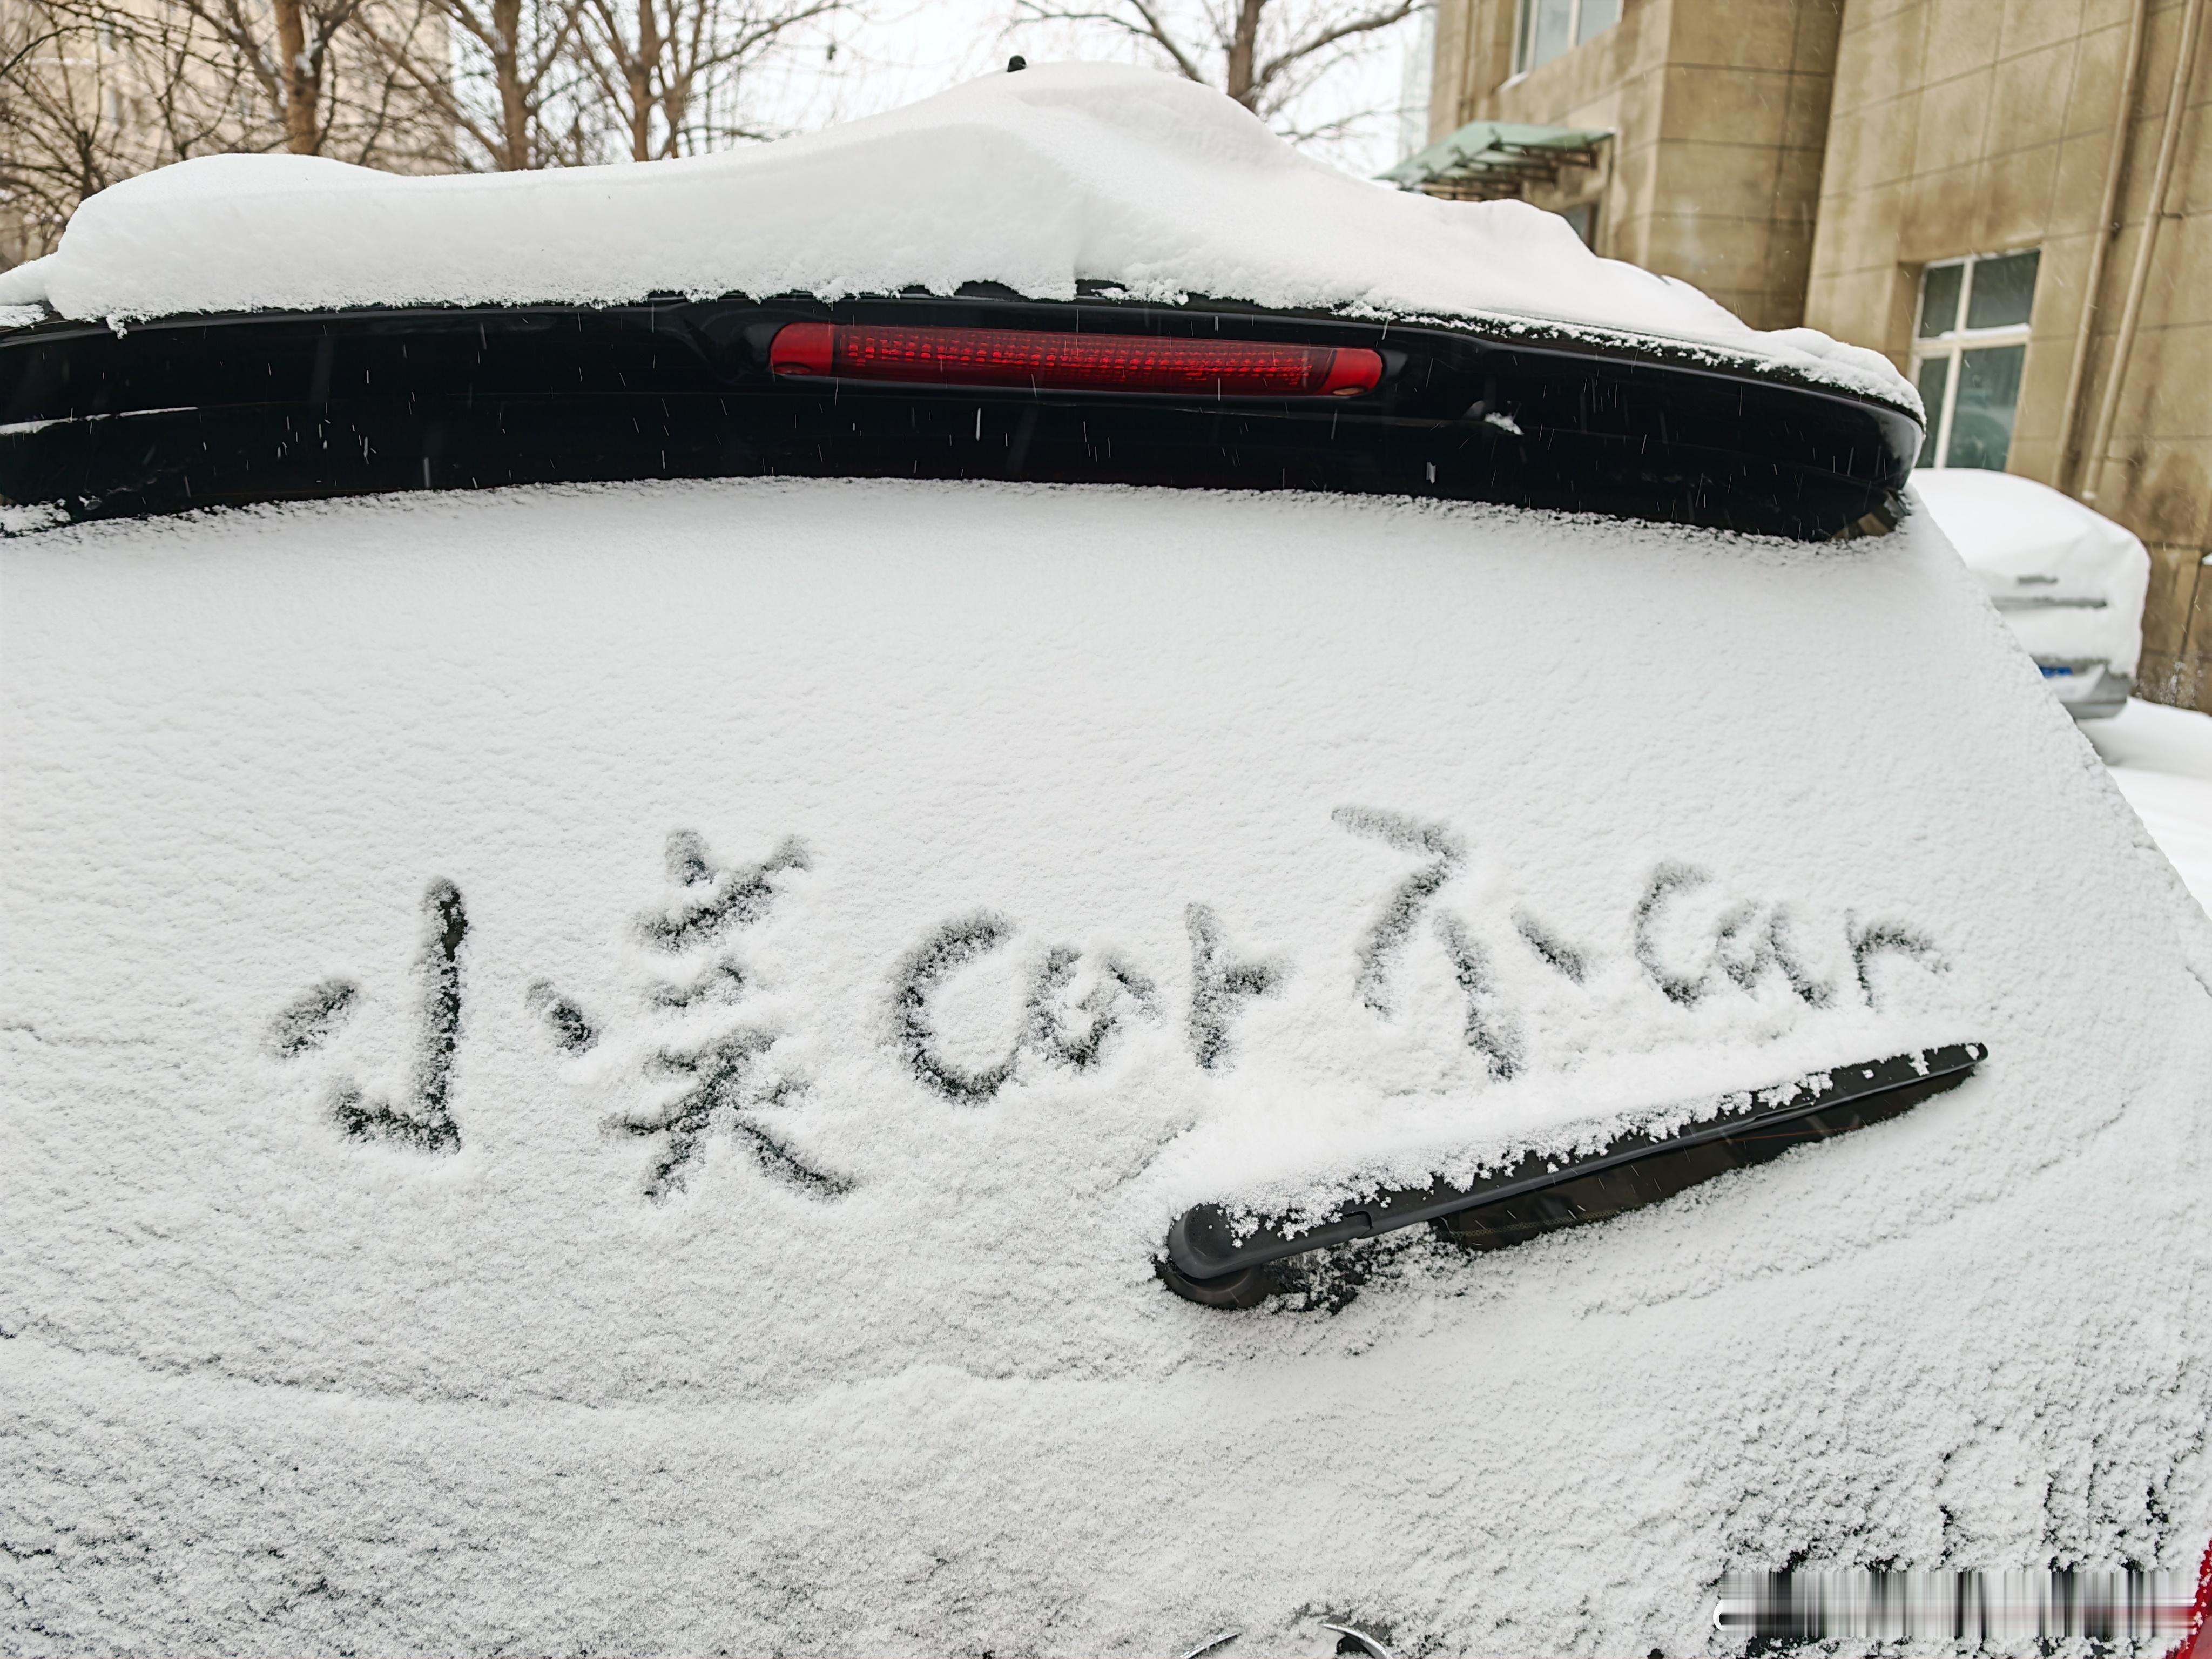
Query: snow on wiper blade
[[1215, 1255]]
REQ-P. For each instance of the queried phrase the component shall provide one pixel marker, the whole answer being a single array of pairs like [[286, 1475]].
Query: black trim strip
[[186, 412]]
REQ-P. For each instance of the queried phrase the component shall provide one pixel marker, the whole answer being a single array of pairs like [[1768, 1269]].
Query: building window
[[1583, 215], [1967, 355], [1549, 28]]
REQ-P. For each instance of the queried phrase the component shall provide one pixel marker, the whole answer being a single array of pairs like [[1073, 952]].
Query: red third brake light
[[1071, 363]]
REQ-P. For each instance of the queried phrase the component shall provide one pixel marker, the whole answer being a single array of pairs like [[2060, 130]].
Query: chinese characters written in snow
[[728, 1082]]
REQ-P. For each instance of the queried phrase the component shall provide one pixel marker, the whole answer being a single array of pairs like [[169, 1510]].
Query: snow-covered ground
[[603, 1069], [2161, 758]]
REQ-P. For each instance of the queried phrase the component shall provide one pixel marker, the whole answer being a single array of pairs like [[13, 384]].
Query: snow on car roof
[[1040, 181], [1999, 520], [784, 845]]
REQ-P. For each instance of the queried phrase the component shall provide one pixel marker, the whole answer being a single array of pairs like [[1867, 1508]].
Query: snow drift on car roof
[[1038, 182]]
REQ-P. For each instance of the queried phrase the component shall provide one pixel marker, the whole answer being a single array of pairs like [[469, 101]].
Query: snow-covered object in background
[[1040, 181], [2069, 581], [836, 888]]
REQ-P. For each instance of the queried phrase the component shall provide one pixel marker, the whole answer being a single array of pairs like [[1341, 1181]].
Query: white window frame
[[1524, 28], [1959, 339]]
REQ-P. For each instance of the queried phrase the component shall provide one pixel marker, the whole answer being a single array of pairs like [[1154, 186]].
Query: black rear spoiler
[[184, 412], [1213, 1258]]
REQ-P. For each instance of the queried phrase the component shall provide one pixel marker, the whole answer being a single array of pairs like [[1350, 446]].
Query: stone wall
[[1982, 126], [1719, 113], [1804, 160]]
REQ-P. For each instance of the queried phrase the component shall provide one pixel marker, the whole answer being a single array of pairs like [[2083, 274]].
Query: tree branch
[[1149, 27], [1329, 37]]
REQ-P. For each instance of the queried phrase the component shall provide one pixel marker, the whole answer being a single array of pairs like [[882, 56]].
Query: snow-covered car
[[1063, 706], [2068, 581]]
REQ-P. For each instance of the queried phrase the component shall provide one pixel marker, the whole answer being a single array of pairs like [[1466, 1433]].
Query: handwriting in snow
[[710, 1069]]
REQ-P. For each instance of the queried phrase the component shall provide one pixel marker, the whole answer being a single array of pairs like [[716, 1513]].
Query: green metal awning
[[1488, 159]]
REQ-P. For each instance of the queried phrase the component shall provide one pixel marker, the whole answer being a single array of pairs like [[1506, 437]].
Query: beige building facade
[[2011, 199]]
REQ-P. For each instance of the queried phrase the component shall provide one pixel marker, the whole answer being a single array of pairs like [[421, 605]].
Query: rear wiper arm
[[1213, 1259]]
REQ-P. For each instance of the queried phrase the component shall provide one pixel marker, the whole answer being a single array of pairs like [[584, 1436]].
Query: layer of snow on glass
[[1037, 180], [606, 1069]]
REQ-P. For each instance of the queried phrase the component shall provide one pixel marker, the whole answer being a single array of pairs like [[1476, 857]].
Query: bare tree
[[1263, 53], [670, 69], [331, 79], [93, 91], [285, 46], [508, 87], [90, 95]]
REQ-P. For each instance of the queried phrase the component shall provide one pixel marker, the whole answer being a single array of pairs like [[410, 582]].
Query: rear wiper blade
[[1215, 1257]]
